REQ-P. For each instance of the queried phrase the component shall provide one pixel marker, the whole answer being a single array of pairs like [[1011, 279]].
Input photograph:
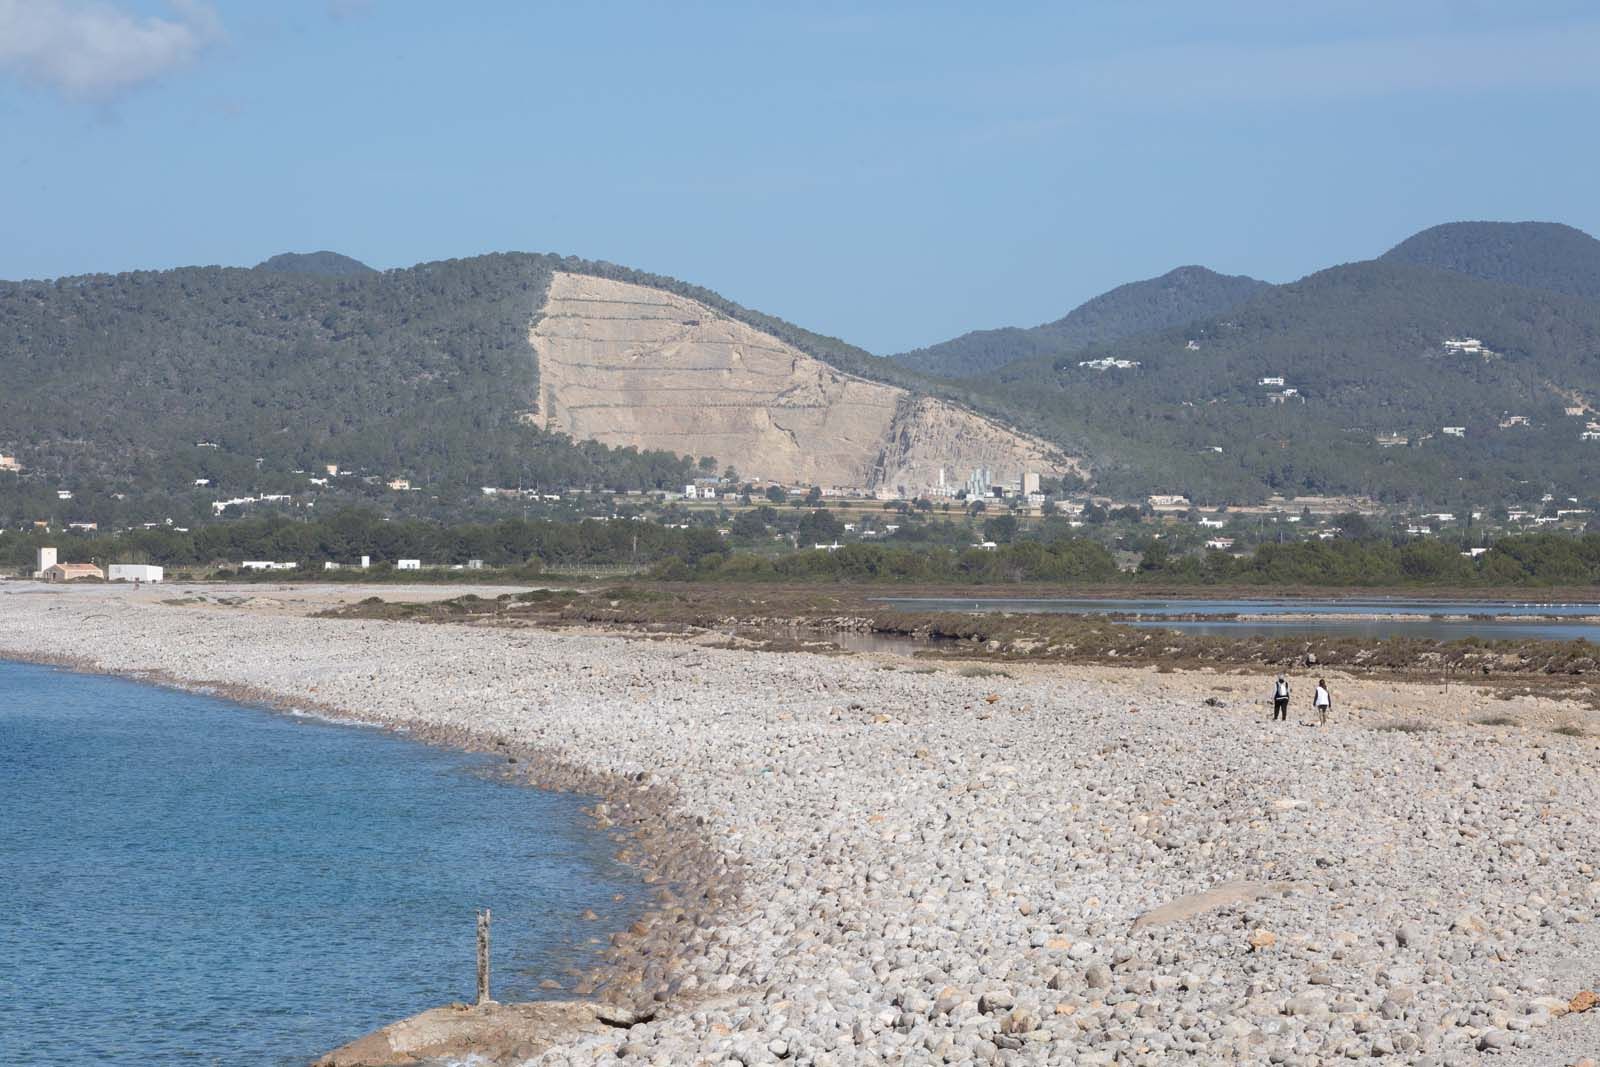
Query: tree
[[776, 494], [1002, 529], [818, 527], [814, 496], [1355, 526], [1154, 557]]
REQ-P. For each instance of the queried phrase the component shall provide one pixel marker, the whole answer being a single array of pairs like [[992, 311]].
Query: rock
[[1306, 1004], [1097, 976], [989, 1003], [1219, 896], [1019, 1022], [1495, 1041], [1262, 939]]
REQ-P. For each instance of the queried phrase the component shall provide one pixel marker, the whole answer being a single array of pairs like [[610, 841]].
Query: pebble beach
[[864, 860]]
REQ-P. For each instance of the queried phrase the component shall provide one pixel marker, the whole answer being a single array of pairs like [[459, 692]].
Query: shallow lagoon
[[184, 879]]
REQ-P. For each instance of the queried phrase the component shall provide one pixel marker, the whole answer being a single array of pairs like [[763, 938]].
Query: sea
[[189, 880]]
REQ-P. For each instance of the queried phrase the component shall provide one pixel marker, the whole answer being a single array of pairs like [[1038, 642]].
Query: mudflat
[[867, 860]]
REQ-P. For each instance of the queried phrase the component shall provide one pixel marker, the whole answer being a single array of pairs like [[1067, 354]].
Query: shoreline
[[892, 860], [663, 849]]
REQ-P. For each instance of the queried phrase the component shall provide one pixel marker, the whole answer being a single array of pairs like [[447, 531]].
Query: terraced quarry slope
[[625, 364]]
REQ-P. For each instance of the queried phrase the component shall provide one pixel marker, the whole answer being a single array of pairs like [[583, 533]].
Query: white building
[[1220, 544], [1274, 382], [134, 572], [1169, 502], [46, 559], [408, 564], [266, 565], [1453, 431], [1109, 364]]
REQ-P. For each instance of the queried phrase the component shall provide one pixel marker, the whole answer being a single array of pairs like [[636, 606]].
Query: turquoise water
[[185, 880]]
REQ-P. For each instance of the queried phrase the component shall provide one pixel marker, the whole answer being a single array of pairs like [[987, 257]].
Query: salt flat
[[931, 868]]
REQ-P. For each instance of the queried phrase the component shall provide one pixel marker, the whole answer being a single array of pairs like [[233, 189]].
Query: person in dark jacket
[[1280, 700]]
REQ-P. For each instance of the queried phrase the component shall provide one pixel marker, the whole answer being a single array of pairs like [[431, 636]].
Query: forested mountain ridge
[[152, 382], [420, 372], [148, 382], [322, 264], [1177, 297], [1380, 357], [1536, 255]]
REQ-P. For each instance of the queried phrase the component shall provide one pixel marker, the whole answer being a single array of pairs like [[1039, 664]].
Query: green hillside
[[1537, 255], [143, 383], [1366, 348], [1177, 297], [420, 373], [322, 264]]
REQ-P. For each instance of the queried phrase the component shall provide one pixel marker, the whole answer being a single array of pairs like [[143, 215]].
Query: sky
[[892, 174]]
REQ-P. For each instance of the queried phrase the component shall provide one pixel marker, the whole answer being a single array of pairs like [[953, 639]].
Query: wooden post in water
[[483, 957]]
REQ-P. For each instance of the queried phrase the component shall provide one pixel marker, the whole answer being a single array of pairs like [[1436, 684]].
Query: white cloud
[[88, 50]]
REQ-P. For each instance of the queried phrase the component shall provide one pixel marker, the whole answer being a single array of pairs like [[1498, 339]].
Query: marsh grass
[[974, 670]]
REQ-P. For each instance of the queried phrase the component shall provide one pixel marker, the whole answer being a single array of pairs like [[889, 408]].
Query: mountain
[[1375, 352], [1410, 381], [1177, 297], [318, 264], [1536, 255], [628, 364], [498, 370]]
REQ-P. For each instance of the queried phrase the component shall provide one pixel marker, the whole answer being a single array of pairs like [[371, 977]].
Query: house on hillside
[[9, 463], [1169, 502], [72, 572], [1453, 431]]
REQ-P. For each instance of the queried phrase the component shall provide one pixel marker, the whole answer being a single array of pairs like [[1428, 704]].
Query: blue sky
[[891, 174]]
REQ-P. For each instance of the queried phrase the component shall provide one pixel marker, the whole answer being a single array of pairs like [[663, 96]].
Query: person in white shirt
[[1322, 701]]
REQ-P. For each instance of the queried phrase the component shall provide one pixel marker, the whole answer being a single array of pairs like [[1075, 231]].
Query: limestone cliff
[[625, 364]]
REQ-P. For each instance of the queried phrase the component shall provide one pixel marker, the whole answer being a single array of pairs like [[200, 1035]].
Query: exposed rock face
[[626, 364]]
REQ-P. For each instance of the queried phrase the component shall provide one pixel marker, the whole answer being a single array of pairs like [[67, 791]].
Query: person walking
[[1322, 701], [1280, 700]]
